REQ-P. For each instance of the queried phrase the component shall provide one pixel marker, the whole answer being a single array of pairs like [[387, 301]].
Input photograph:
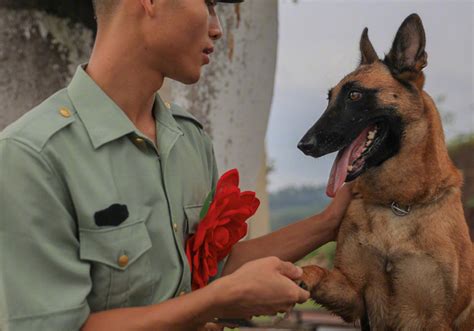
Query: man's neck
[[122, 75]]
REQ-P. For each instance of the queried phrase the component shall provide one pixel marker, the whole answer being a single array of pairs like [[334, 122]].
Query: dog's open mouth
[[351, 160]]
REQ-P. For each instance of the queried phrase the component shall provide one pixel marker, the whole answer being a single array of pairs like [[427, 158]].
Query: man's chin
[[189, 79], [193, 80]]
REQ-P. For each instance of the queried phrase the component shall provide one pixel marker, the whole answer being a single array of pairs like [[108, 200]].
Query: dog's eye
[[354, 95]]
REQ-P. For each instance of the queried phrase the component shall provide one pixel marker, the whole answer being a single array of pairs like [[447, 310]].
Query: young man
[[99, 186]]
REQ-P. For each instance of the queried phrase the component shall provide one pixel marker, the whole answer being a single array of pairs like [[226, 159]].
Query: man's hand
[[261, 287], [338, 206]]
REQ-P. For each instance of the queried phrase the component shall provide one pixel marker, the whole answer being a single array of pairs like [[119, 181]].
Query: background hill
[[295, 203]]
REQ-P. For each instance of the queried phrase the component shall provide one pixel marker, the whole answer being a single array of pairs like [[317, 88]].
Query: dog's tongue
[[344, 157]]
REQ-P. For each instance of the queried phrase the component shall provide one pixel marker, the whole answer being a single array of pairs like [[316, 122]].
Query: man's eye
[[211, 3]]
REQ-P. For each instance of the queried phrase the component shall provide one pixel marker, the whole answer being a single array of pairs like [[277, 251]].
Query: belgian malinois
[[404, 258]]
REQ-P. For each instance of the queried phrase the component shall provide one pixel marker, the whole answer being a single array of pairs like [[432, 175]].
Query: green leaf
[[207, 204]]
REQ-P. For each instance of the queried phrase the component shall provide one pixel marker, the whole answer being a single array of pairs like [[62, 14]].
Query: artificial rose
[[222, 227]]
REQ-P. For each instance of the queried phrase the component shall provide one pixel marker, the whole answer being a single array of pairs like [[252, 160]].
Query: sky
[[318, 45]]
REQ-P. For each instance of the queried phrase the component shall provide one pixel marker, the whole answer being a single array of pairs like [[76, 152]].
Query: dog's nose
[[306, 145]]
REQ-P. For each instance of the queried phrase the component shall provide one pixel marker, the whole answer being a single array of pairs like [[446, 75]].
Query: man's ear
[[407, 58], [367, 52]]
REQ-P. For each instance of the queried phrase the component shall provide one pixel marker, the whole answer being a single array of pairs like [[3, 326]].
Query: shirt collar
[[103, 119], [164, 116]]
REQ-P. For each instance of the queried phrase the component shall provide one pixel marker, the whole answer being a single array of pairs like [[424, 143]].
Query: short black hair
[[104, 7]]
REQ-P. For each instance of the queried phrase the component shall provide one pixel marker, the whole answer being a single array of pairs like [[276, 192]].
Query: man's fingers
[[294, 273], [299, 295], [290, 270], [303, 296]]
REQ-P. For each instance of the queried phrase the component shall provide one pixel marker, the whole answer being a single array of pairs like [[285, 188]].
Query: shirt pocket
[[192, 218], [121, 271]]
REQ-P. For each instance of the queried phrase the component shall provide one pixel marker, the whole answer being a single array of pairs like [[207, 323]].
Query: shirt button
[[182, 293], [140, 143], [168, 105], [65, 112], [175, 227], [123, 260]]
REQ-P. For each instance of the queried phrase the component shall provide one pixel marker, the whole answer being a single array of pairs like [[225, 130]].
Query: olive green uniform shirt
[[93, 214]]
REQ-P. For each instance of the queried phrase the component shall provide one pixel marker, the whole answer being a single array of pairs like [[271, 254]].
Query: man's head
[[172, 37]]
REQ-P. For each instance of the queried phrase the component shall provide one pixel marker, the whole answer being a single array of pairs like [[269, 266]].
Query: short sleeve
[[43, 283]]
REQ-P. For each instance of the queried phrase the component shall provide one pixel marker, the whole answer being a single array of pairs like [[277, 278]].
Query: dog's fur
[[391, 272]]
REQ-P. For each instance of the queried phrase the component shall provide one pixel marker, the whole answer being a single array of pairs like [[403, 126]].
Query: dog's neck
[[420, 173]]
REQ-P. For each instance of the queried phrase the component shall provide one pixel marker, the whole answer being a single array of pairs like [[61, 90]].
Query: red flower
[[221, 228]]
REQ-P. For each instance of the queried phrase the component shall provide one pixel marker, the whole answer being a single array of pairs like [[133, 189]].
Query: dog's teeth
[[367, 144], [371, 135], [364, 149], [349, 168]]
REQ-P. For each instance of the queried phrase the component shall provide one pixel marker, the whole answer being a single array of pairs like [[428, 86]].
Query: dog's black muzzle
[[332, 132], [317, 144], [338, 128]]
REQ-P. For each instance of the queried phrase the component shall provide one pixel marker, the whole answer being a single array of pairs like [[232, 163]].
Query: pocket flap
[[116, 247], [192, 216]]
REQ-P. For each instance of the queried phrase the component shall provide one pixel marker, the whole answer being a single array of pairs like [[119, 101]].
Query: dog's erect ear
[[407, 58], [367, 51]]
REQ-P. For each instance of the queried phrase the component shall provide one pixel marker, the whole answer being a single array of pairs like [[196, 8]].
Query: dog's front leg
[[333, 291]]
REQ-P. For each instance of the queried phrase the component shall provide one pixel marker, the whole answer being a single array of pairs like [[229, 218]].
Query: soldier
[[101, 184]]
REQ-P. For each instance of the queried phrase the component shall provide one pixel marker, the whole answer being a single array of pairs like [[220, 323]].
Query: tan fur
[[413, 272]]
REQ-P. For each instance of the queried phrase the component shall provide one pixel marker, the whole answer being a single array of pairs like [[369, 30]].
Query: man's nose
[[215, 28]]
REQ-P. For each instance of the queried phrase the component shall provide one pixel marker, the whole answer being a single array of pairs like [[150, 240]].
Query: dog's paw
[[311, 278]]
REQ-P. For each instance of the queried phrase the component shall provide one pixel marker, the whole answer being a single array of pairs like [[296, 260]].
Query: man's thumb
[[290, 270]]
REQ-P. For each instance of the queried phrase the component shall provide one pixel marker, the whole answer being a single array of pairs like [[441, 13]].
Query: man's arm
[[262, 287], [43, 283], [295, 241]]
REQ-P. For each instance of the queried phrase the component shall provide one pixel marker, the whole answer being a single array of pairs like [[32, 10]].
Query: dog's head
[[369, 109]]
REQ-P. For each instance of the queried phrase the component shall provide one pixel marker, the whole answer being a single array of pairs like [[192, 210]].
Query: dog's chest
[[386, 255], [377, 244], [387, 234]]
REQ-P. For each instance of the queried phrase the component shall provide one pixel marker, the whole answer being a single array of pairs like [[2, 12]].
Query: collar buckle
[[399, 210]]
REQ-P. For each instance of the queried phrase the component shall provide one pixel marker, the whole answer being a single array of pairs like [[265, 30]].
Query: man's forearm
[[290, 243], [179, 314]]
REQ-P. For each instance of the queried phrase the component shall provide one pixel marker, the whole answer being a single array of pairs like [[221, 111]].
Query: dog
[[404, 259]]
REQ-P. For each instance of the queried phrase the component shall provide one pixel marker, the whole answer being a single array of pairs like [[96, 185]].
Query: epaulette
[[38, 125]]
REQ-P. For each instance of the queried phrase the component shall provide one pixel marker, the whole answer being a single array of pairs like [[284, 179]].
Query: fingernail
[[300, 270]]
